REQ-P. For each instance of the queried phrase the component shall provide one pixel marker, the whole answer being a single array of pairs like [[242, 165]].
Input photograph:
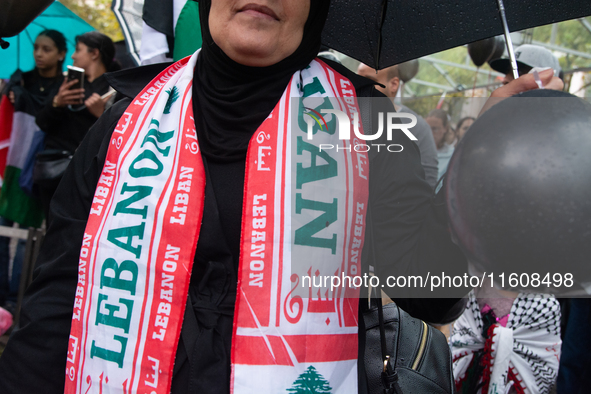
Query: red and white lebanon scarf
[[299, 204], [523, 356]]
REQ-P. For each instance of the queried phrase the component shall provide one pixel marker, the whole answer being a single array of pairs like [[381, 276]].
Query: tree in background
[[98, 14]]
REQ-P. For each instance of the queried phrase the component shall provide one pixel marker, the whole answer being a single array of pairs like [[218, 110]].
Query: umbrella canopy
[[20, 52], [414, 28], [16, 16]]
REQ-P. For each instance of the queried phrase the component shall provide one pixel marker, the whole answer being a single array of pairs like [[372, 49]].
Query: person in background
[[64, 121], [389, 77], [528, 57], [28, 92], [444, 138], [574, 374], [462, 127]]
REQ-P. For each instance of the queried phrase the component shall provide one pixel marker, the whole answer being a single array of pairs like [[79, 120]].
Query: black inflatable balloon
[[498, 49], [481, 51], [408, 70], [518, 189]]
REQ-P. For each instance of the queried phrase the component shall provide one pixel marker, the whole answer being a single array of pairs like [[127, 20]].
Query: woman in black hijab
[[230, 101], [250, 51]]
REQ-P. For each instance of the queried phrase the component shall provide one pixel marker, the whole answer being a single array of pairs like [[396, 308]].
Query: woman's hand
[[95, 104], [66, 96], [523, 84], [527, 82], [11, 97]]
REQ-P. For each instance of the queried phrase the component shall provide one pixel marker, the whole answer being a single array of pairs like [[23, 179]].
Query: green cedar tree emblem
[[310, 382], [173, 95]]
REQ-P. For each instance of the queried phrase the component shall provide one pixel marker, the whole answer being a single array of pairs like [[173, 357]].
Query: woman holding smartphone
[[28, 92], [71, 112]]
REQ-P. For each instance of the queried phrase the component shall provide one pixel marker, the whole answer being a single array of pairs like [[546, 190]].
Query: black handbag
[[404, 355], [50, 165]]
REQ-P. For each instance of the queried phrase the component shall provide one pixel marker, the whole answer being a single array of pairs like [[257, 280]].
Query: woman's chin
[[255, 55], [258, 50]]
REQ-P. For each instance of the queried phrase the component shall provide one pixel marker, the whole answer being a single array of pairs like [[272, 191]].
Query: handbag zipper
[[415, 364]]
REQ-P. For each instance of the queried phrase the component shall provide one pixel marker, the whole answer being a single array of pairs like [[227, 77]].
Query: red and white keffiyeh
[[524, 355]]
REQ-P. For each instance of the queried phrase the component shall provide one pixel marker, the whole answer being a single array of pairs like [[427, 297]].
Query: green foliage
[[463, 78], [310, 382], [569, 34], [98, 14]]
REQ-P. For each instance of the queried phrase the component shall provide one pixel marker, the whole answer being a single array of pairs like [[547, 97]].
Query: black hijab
[[231, 100]]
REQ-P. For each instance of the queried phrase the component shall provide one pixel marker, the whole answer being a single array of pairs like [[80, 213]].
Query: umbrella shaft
[[508, 39]]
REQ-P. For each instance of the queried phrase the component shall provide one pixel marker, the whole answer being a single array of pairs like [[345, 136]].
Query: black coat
[[408, 226], [65, 129]]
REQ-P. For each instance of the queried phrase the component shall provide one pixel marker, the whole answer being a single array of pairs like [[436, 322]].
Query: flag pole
[[18, 52]]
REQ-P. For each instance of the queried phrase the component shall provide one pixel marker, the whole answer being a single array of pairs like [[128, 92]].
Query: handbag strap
[[389, 377]]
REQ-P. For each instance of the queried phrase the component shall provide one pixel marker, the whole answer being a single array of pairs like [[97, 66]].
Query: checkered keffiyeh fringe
[[524, 355]]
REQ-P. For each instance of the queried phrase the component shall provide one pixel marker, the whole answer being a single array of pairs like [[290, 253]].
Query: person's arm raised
[[523, 84]]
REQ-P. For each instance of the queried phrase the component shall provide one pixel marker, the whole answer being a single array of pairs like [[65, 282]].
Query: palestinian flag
[[6, 111], [18, 124], [171, 30]]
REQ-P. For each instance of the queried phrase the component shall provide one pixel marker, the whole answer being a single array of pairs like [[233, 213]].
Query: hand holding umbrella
[[523, 84]]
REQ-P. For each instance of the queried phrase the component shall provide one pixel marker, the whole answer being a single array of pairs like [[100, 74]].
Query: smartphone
[[76, 73]]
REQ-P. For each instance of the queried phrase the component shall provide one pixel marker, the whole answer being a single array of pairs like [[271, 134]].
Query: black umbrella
[[16, 15], [381, 33]]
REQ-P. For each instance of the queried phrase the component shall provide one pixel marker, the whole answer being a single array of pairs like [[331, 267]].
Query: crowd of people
[[220, 97], [50, 119]]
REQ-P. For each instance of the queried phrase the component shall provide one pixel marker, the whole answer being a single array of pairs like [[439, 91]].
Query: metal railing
[[34, 238]]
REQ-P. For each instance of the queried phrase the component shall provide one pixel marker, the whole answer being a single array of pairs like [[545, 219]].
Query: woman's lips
[[259, 11]]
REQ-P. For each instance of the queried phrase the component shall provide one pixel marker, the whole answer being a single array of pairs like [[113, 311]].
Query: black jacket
[[65, 129], [408, 226]]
